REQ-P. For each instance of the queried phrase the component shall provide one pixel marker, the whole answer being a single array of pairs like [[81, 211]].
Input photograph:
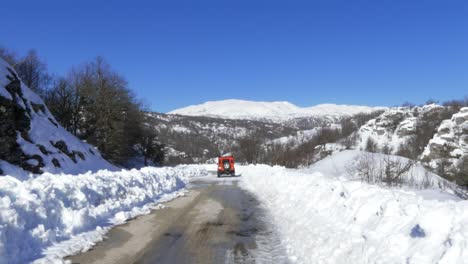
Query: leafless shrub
[[350, 141], [455, 104], [461, 172], [366, 168], [387, 149], [383, 169], [394, 169], [408, 104], [443, 168], [408, 149], [371, 145]]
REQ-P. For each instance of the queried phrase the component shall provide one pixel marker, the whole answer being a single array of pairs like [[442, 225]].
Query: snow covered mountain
[[269, 111], [31, 140]]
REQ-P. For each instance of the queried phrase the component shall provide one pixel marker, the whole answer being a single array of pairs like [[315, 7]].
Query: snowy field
[[330, 218], [53, 215]]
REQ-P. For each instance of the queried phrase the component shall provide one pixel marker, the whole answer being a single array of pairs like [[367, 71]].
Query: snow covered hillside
[[197, 139], [348, 164], [269, 111], [31, 139], [301, 136], [324, 217], [52, 216]]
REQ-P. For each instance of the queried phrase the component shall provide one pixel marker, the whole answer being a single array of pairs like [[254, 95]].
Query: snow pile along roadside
[[326, 220], [52, 216]]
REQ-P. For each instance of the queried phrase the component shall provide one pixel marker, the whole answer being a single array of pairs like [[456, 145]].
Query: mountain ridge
[[275, 111]]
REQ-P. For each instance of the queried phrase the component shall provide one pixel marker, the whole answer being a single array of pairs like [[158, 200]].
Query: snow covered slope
[[345, 164], [325, 219], [30, 137], [269, 111]]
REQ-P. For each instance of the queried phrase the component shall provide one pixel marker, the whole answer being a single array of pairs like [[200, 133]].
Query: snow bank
[[326, 220], [52, 216]]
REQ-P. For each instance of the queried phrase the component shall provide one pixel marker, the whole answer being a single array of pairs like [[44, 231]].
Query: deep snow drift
[[325, 217], [53, 215], [32, 139], [271, 111]]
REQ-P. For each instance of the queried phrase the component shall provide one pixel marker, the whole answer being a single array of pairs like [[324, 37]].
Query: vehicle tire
[[226, 166]]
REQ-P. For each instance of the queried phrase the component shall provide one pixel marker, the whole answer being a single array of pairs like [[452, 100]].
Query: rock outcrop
[[31, 140], [450, 142], [396, 126]]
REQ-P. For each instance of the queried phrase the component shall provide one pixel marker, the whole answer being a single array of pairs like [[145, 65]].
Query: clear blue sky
[[176, 53]]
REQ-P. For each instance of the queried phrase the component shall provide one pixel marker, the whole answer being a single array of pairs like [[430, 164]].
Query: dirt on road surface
[[215, 222]]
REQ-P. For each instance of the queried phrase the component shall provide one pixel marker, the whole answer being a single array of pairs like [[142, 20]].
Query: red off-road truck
[[226, 166]]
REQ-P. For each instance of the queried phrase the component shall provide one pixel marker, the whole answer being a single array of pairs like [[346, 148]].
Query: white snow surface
[[51, 216], [270, 111], [324, 218]]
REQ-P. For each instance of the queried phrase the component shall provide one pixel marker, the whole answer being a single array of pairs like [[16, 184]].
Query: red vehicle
[[226, 166]]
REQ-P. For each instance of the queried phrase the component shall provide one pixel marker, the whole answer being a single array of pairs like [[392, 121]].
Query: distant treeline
[[94, 103]]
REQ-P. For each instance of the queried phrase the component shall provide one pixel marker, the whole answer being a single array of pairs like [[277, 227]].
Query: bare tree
[[371, 145], [250, 147], [9, 56], [150, 147], [33, 72], [62, 101]]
